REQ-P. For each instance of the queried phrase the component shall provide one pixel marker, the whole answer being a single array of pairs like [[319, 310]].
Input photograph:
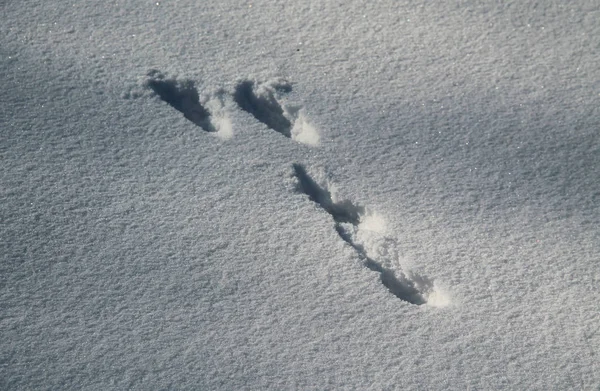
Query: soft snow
[[300, 195]]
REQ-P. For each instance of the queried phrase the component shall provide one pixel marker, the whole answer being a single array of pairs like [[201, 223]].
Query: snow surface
[[300, 195]]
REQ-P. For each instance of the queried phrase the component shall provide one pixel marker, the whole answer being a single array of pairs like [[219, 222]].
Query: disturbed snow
[[314, 195]]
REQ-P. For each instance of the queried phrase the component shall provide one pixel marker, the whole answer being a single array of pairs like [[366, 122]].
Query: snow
[[300, 195]]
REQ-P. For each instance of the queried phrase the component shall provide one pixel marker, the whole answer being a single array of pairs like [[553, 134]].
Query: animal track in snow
[[366, 234], [183, 96], [262, 100]]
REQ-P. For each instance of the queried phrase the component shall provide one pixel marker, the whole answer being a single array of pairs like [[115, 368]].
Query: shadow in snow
[[401, 287], [346, 212], [342, 212], [182, 96], [259, 100]]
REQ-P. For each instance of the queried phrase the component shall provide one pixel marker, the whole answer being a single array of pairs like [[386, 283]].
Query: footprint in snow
[[208, 113], [365, 233], [263, 100]]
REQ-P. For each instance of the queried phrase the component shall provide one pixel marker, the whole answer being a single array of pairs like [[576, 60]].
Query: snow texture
[[280, 195]]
